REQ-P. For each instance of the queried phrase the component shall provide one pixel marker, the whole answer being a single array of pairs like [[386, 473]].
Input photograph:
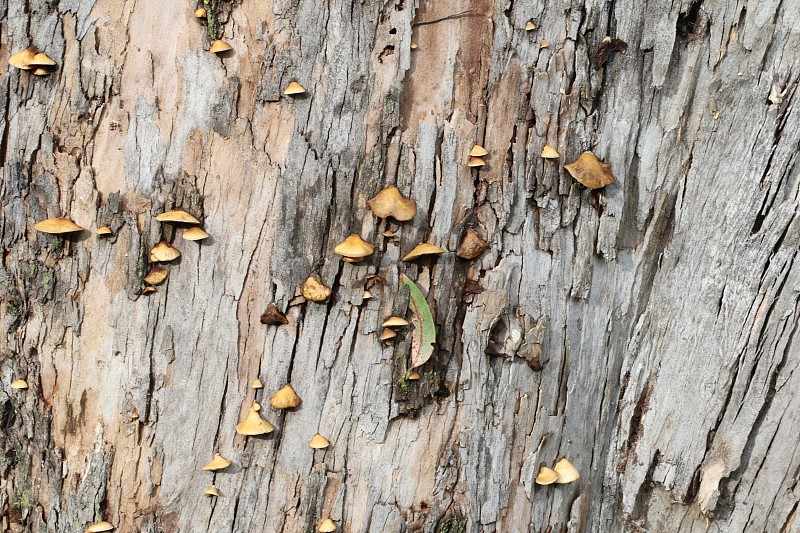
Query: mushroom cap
[[314, 290], [471, 246], [388, 333], [195, 233], [57, 226], [148, 290], [547, 476], [388, 233], [217, 463], [478, 151], [354, 247], [414, 376], [394, 322], [103, 230], [40, 71], [164, 252], [254, 425], [352, 259], [476, 162], [327, 526], [548, 152], [177, 216], [566, 472], [285, 398], [590, 171], [256, 384], [219, 46], [99, 526], [294, 88], [390, 202], [22, 59], [413, 46], [421, 250], [200, 12], [367, 295], [156, 275], [211, 491], [318, 442], [530, 26], [41, 60], [272, 316], [19, 384], [544, 43]]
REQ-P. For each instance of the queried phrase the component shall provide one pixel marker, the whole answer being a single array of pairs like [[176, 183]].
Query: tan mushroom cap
[[200, 13], [318, 442], [413, 46], [103, 230], [327, 526], [156, 275], [548, 152], [354, 247], [256, 384], [390, 202], [367, 295], [547, 476], [422, 250], [99, 526], [57, 226], [471, 246], [164, 252], [544, 43], [388, 334], [195, 233], [314, 290], [177, 216], [219, 46], [394, 322], [476, 162], [148, 290], [40, 71], [294, 88], [530, 26], [211, 491], [256, 406], [19, 384], [478, 151], [285, 398], [590, 171], [23, 58], [254, 424], [42, 60], [414, 376], [217, 463], [388, 233], [566, 472]]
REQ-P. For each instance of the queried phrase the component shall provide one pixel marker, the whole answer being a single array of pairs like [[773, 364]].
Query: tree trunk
[[645, 331]]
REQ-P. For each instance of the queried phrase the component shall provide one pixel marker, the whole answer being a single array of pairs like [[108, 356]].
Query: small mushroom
[[40, 71], [354, 247], [218, 463], [156, 275], [548, 152], [200, 13], [211, 491], [256, 384], [42, 60], [388, 234], [352, 259], [390, 202], [367, 295], [149, 290], [471, 246], [256, 406], [294, 88], [20, 384], [103, 230], [422, 250], [314, 290], [23, 58], [547, 476], [164, 252], [388, 334], [478, 151], [134, 415], [273, 317], [530, 26], [195, 233], [566, 472], [219, 46], [414, 376], [590, 171], [394, 322], [254, 424], [97, 527], [327, 526], [475, 162], [318, 442], [285, 398], [179, 216], [544, 43], [413, 46], [57, 226]]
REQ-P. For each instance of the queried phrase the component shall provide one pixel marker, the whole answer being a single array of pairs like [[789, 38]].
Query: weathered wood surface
[[670, 299]]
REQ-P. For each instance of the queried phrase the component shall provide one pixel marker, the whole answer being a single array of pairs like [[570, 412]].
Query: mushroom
[[156, 275], [366, 296], [219, 46], [327, 526], [19, 384], [285, 398], [544, 43], [414, 376], [566, 472], [134, 415], [388, 234], [530, 26], [23, 58], [179, 216], [294, 88], [422, 250], [314, 290], [256, 406], [40, 71], [273, 317], [57, 226], [163, 252], [218, 463], [548, 152], [388, 334], [352, 259], [42, 60], [195, 233], [354, 247], [394, 322], [148, 290], [99, 526], [471, 246], [391, 203], [256, 384], [590, 171], [413, 46], [200, 13], [211, 491], [476, 162], [318, 442], [254, 424], [103, 230], [478, 151], [547, 476]]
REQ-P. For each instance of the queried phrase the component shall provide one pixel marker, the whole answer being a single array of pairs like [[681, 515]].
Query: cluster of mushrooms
[[563, 472]]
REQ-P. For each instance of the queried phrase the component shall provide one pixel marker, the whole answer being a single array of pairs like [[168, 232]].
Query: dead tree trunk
[[665, 306]]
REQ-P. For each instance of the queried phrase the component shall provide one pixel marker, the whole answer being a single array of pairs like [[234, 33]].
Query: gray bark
[[665, 306]]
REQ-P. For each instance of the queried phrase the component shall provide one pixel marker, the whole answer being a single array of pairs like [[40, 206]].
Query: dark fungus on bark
[[608, 47], [273, 317]]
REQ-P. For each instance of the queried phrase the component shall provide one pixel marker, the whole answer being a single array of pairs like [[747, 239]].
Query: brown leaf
[[590, 171], [273, 317], [471, 246]]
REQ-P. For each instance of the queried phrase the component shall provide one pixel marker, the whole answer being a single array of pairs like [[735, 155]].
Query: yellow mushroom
[[314, 290], [566, 472], [254, 424], [548, 152], [327, 526], [148, 290], [388, 334], [530, 26], [97, 527], [544, 43], [391, 203], [367, 295], [57, 226], [42, 60], [200, 13], [20, 384], [354, 247], [475, 162], [23, 58], [547, 476], [40, 71], [414, 376], [422, 250], [163, 252], [478, 151], [318, 442], [103, 230], [156, 275], [179, 216], [256, 384], [293, 89], [211, 491], [195, 233], [218, 463], [285, 398], [394, 322], [218, 47]]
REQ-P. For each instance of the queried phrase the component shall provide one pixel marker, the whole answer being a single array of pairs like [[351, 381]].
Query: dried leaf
[[424, 336]]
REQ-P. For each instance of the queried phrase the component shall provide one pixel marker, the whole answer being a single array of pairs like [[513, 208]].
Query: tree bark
[[664, 307]]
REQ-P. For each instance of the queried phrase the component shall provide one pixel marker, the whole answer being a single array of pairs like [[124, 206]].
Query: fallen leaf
[[424, 336], [590, 171], [472, 286]]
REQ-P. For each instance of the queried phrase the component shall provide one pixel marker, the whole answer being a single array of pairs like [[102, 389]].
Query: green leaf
[[424, 329]]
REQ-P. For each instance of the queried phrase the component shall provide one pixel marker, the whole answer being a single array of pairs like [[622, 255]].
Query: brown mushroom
[[211, 491], [156, 276], [422, 250], [475, 162], [179, 216], [164, 252], [318, 442], [314, 290], [273, 317], [354, 247], [388, 334], [293, 89], [57, 226], [478, 151], [285, 398], [149, 290], [195, 233], [414, 376], [530, 26], [391, 203], [471, 246], [590, 171], [219, 46]]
